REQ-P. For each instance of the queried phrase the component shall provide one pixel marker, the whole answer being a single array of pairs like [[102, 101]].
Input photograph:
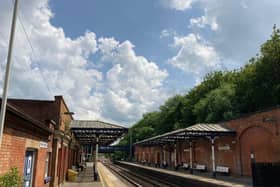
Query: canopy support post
[[96, 159], [191, 154], [212, 139], [175, 155]]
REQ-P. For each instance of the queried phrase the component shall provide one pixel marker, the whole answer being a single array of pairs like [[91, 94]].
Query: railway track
[[133, 178]]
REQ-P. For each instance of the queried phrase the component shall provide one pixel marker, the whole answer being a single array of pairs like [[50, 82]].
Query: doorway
[[257, 141], [29, 168]]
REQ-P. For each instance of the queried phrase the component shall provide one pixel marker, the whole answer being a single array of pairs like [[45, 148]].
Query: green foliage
[[118, 155], [216, 106], [11, 178], [220, 96]]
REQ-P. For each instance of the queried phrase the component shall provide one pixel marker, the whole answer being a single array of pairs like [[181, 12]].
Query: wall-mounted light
[[68, 113]]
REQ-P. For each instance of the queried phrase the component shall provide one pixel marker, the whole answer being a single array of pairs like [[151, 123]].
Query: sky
[[117, 60]]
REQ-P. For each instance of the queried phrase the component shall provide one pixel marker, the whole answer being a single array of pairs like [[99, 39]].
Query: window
[[47, 164]]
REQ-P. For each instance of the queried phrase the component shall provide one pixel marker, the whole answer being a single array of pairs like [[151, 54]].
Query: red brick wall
[[202, 152], [66, 161], [59, 163], [62, 165], [12, 151], [137, 153], [157, 152], [168, 151], [258, 136], [183, 152], [257, 133], [224, 157], [40, 110], [39, 169], [70, 158]]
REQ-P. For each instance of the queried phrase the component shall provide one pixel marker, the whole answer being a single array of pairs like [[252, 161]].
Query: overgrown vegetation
[[222, 95], [11, 178]]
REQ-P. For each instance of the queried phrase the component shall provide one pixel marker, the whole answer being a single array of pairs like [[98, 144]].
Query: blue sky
[[140, 22], [116, 60]]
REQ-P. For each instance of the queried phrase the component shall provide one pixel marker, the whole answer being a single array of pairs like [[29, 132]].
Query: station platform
[[223, 181], [105, 178], [85, 178]]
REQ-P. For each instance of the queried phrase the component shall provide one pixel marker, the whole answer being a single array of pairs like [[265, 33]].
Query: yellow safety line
[[101, 177]]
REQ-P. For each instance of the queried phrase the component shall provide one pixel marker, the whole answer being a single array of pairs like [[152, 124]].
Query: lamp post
[[253, 166], [130, 145], [68, 113], [7, 74]]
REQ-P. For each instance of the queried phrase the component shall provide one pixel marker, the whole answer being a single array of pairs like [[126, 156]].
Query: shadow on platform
[[85, 178]]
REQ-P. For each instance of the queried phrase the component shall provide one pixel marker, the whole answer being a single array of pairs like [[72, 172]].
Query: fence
[[266, 174]]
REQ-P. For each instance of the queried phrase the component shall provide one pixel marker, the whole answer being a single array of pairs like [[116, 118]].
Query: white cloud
[[202, 21], [194, 55], [167, 33], [164, 33], [179, 5], [132, 86], [240, 27], [237, 29]]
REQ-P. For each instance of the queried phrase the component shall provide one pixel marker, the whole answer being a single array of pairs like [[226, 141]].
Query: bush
[[11, 178]]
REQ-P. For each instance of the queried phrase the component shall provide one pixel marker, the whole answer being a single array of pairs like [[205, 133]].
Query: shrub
[[11, 178]]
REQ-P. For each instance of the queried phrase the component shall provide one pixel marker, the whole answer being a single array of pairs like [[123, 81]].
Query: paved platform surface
[[87, 184], [194, 177], [105, 178], [85, 179], [108, 178]]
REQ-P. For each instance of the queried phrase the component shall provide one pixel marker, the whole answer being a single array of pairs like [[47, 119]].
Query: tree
[[216, 106], [268, 72], [222, 95]]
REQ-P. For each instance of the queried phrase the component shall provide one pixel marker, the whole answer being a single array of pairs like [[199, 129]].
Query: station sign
[[224, 147], [43, 145]]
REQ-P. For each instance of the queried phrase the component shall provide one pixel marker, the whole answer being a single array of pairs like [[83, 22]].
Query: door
[[28, 168], [255, 140], [158, 158]]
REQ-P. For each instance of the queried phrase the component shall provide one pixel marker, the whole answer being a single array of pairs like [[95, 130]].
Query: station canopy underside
[[189, 134], [87, 132]]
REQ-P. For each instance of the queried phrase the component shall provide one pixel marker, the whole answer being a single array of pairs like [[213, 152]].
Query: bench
[[200, 167], [156, 164], [80, 167], [185, 166], [222, 169], [164, 164], [47, 179]]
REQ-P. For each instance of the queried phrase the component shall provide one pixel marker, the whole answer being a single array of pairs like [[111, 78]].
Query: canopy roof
[[195, 131], [87, 131]]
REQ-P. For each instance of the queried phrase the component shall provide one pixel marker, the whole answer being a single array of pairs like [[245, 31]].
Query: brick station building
[[54, 148], [231, 144], [27, 145]]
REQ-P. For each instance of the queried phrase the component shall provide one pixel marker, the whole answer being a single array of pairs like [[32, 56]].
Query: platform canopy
[[87, 131], [192, 132]]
